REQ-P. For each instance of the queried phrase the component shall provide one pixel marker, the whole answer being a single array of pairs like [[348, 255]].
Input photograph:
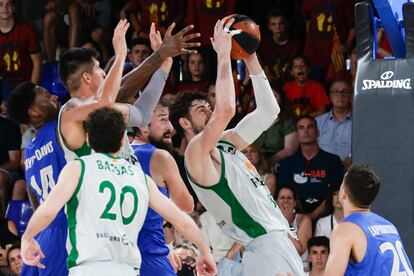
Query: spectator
[[325, 225], [188, 255], [307, 97], [330, 35], [311, 170], [300, 224], [318, 248], [86, 17], [144, 12], [20, 58], [14, 260], [10, 142], [204, 15], [139, 50], [335, 126], [279, 48], [220, 244], [279, 141], [8, 236], [195, 73], [254, 154]]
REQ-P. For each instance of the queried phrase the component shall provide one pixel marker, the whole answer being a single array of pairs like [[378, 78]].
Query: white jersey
[[126, 151], [106, 212], [240, 202]]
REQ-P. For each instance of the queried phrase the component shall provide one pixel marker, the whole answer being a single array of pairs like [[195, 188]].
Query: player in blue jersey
[[44, 159], [365, 243], [150, 146]]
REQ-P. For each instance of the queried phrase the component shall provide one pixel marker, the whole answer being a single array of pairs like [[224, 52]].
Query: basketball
[[247, 42]]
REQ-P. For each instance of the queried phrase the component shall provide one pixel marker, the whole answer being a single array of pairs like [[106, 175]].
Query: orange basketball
[[247, 42]]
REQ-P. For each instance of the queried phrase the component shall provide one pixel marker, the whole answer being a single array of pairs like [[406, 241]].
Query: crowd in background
[[307, 50]]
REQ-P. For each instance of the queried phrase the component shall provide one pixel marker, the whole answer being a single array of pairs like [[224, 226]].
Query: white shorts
[[107, 268], [270, 254]]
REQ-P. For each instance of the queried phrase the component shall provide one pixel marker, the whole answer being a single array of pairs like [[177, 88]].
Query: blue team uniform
[[44, 160], [385, 254], [151, 239]]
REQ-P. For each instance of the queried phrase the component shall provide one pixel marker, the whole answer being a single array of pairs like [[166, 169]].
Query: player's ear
[[184, 122]]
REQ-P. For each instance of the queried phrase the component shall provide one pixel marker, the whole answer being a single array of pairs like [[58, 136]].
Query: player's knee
[[49, 19]]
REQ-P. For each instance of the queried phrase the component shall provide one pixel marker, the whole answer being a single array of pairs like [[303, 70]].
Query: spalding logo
[[385, 82]]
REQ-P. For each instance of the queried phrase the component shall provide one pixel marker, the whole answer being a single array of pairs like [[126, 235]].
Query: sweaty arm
[[163, 165], [198, 153], [47, 211], [266, 112], [340, 249]]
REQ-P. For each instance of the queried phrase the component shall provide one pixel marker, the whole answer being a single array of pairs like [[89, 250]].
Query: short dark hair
[[72, 61], [276, 13], [105, 128], [181, 106], [14, 246], [318, 241], [140, 41], [20, 100], [362, 185], [306, 117]]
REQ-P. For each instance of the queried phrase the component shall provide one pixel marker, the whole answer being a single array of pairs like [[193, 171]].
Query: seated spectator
[[300, 224], [311, 170], [279, 141], [195, 74], [335, 126], [8, 236], [279, 48], [318, 252], [326, 224], [142, 13], [14, 260], [255, 157], [87, 19], [20, 58], [220, 244], [188, 255], [139, 50], [307, 97]]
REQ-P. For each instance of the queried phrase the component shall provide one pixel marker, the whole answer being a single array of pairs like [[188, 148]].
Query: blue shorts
[[52, 241], [156, 265]]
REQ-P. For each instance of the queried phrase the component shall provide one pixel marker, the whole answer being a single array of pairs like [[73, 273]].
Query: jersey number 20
[[398, 256], [106, 214]]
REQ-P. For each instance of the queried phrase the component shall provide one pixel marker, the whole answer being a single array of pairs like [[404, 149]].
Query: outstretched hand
[[175, 45], [222, 36], [119, 40], [31, 253]]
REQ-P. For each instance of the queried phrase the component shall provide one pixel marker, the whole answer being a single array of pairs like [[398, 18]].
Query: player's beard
[[160, 143]]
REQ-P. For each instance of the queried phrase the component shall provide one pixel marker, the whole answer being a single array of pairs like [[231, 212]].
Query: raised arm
[[47, 211], [171, 46], [197, 154], [185, 225], [266, 112]]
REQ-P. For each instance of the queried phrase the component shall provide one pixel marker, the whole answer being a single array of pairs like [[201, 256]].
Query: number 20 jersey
[[106, 211], [385, 254], [43, 160]]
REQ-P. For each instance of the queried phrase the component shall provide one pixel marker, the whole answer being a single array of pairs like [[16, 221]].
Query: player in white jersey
[[106, 202], [226, 183], [90, 89]]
